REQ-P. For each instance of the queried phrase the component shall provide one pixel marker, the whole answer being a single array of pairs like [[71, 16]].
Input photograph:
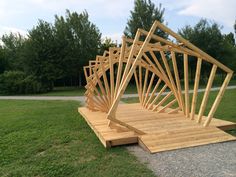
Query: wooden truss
[[154, 63]]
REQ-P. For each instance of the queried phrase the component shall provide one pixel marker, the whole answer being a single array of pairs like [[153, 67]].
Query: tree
[[40, 56], [106, 44], [11, 50], [78, 40], [144, 14], [208, 37]]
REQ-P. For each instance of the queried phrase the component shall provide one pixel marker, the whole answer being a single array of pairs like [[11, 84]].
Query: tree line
[[53, 54]]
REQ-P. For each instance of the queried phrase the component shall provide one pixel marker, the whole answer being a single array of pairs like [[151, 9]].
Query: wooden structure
[[166, 117]]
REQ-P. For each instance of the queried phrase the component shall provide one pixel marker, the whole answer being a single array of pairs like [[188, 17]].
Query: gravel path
[[82, 98], [213, 160]]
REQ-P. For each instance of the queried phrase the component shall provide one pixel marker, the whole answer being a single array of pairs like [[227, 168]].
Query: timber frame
[[155, 64]]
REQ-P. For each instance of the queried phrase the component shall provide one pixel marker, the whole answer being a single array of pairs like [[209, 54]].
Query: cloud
[[219, 10], [7, 30]]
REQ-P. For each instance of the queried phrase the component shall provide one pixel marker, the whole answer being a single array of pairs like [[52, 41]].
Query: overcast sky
[[111, 15]]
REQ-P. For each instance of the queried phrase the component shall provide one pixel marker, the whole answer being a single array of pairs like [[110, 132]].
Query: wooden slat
[[140, 83], [145, 85], [207, 91], [149, 88], [137, 85], [157, 97], [177, 80], [162, 101], [153, 93], [112, 87], [218, 99], [120, 65], [167, 106], [195, 90], [173, 86], [186, 85]]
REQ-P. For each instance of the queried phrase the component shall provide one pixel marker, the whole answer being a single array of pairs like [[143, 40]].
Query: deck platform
[[157, 131]]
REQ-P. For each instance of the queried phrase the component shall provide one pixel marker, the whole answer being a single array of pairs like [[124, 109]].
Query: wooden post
[[186, 85], [218, 99], [207, 91], [177, 80], [195, 90]]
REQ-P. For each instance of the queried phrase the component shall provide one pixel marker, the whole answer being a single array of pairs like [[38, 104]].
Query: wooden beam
[[195, 90], [218, 99], [186, 85], [175, 66], [207, 91]]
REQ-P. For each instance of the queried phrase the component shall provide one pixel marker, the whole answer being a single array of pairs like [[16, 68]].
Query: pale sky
[[111, 16]]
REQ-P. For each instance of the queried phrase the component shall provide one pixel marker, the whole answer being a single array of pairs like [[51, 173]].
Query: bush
[[17, 82]]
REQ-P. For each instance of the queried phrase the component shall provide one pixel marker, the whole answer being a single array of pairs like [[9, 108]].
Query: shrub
[[17, 82]]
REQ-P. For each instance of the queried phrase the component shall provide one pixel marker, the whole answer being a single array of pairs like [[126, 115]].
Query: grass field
[[49, 138]]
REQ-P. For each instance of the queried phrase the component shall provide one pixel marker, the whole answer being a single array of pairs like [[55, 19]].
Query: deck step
[[177, 139]]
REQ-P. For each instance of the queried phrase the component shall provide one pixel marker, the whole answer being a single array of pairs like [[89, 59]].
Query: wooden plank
[[149, 88], [186, 85], [157, 97], [218, 99], [206, 95], [145, 85], [153, 93], [162, 101], [195, 90], [112, 87], [177, 80]]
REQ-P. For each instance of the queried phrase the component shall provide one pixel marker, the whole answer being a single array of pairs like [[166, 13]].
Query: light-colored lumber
[[157, 97], [162, 101], [186, 85], [177, 80], [195, 90], [149, 88], [218, 99], [206, 95], [153, 93], [145, 85]]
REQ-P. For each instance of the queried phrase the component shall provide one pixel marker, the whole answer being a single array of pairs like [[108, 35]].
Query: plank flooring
[[161, 131]]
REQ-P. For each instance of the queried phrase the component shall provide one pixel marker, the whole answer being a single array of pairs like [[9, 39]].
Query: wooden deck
[[157, 131]]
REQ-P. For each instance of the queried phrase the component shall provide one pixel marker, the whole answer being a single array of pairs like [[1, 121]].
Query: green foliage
[[16, 82], [77, 40], [144, 14], [11, 51], [106, 44], [52, 52], [40, 54]]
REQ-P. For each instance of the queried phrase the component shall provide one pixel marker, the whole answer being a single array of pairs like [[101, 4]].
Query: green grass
[[50, 138], [225, 111]]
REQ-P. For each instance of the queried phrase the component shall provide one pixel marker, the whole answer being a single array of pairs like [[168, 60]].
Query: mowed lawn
[[50, 138]]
